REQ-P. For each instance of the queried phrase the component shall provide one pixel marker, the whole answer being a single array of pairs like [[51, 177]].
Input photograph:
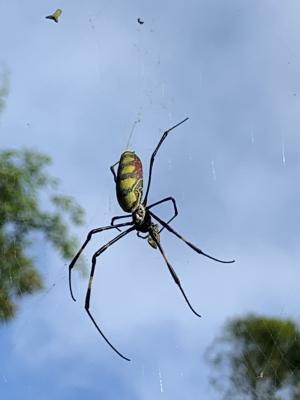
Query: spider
[[129, 190]]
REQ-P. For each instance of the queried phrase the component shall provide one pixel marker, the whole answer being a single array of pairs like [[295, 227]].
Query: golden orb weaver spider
[[129, 190]]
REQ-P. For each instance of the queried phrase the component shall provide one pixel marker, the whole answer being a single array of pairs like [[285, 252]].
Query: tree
[[4, 84], [22, 182], [261, 356]]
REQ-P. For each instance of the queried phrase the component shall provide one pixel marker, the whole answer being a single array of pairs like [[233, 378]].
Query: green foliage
[[260, 358], [22, 182], [4, 84]]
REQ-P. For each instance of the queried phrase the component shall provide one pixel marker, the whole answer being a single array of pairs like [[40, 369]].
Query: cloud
[[76, 89]]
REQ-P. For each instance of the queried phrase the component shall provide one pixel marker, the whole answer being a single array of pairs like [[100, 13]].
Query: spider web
[[233, 170]]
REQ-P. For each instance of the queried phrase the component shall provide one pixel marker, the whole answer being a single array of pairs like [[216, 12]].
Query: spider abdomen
[[129, 184]]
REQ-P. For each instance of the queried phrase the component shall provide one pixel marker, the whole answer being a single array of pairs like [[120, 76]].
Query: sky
[[96, 83]]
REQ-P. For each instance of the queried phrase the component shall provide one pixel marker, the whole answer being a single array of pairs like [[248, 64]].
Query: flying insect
[[55, 15]]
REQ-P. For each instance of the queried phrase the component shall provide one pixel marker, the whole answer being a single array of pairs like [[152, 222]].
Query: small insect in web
[[54, 17], [129, 190]]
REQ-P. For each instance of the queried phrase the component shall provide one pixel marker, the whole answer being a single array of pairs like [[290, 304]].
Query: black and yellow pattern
[[129, 185], [55, 15]]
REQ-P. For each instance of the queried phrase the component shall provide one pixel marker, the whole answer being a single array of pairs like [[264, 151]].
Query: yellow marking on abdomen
[[130, 181], [127, 183], [128, 169]]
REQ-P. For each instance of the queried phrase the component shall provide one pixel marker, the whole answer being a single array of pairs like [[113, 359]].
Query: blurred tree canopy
[[4, 85], [22, 182], [257, 358]]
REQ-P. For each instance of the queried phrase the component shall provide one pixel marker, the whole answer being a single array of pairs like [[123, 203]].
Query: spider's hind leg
[[173, 273]]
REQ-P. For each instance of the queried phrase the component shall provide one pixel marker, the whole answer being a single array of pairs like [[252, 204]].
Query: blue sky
[[76, 90]]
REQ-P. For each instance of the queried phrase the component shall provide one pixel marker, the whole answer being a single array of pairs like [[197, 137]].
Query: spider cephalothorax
[[129, 189], [139, 215]]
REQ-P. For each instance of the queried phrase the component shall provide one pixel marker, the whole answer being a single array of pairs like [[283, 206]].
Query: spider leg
[[165, 134], [88, 238], [88, 293], [118, 217], [174, 275], [163, 201], [113, 171], [195, 248], [141, 236]]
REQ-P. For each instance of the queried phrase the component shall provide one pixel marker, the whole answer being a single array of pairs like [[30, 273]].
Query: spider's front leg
[[165, 134]]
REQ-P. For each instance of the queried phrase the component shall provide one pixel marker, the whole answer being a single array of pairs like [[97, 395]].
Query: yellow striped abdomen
[[129, 185]]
